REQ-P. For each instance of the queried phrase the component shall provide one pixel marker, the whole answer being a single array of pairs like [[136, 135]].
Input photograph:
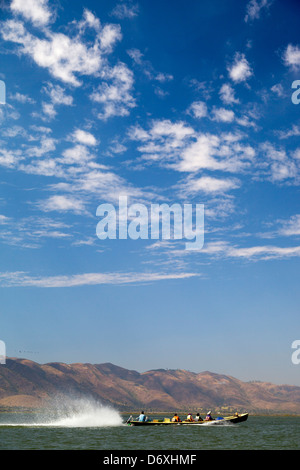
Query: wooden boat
[[237, 418]]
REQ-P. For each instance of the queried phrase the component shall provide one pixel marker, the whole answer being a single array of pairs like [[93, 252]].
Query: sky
[[168, 102]]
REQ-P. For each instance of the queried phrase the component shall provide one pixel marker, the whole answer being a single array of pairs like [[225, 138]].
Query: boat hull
[[167, 422]]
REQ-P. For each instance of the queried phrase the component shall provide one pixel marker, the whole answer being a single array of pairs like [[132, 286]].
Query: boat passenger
[[198, 417], [208, 416], [175, 418], [142, 416], [189, 417]]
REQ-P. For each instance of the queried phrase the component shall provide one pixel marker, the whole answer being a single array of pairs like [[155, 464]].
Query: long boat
[[237, 418]]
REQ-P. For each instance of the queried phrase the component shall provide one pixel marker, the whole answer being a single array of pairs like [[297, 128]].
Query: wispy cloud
[[227, 94], [209, 185], [62, 203], [223, 249], [178, 146], [147, 68], [291, 227], [114, 94], [280, 166], [125, 10], [65, 57], [255, 7], [22, 279], [21, 98], [28, 232], [294, 131]]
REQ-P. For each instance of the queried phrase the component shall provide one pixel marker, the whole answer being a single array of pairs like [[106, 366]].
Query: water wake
[[74, 413]]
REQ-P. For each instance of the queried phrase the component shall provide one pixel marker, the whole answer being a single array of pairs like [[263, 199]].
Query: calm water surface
[[25, 431]]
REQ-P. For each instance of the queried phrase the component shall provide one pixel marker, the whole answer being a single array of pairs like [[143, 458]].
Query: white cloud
[[265, 252], [44, 167], [227, 94], [62, 203], [215, 153], [291, 227], [223, 115], [296, 154], [160, 92], [79, 154], [163, 77], [65, 57], [180, 147], [22, 98], [209, 185], [4, 219], [49, 111], [9, 158], [254, 8], [278, 90], [41, 129], [37, 11], [240, 69], [47, 145], [28, 232], [292, 132], [16, 279], [279, 165], [57, 97], [84, 137], [136, 55], [147, 68], [14, 131], [291, 56], [123, 10], [198, 109], [114, 93]]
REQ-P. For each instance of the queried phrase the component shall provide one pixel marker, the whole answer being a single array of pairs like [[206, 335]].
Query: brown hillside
[[24, 383]]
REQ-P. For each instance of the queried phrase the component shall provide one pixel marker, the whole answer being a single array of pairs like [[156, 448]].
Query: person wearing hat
[[208, 416]]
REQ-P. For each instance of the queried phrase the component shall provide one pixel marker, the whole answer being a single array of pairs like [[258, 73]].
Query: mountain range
[[27, 384]]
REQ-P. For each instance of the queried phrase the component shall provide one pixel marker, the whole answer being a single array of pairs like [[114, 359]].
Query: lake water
[[88, 426]]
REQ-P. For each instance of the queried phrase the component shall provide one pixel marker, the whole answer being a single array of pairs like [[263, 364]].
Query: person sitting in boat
[[189, 417], [208, 416], [198, 417], [142, 416], [175, 418]]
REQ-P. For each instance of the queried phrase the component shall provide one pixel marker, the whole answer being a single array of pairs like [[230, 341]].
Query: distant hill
[[27, 384]]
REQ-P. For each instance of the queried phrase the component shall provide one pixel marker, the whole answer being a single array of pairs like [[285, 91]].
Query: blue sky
[[164, 102]]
